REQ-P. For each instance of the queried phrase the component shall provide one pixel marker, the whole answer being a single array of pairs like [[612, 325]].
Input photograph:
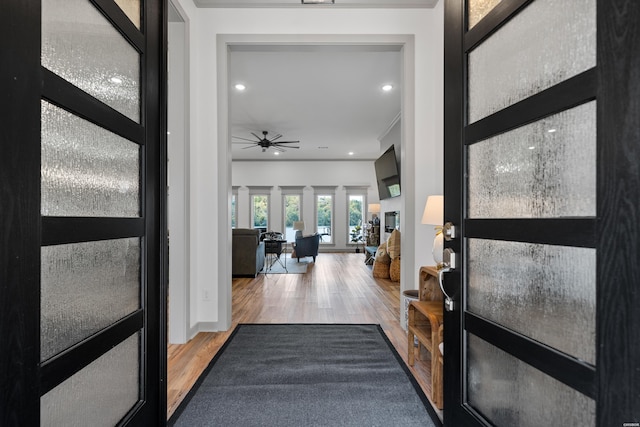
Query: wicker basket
[[394, 270], [380, 270]]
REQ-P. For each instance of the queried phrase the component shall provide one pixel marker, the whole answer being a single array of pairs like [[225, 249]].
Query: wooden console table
[[425, 318], [428, 287]]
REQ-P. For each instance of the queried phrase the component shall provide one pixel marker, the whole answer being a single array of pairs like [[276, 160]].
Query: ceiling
[[337, 4], [330, 98]]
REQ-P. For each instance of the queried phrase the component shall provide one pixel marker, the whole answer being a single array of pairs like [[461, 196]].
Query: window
[[324, 217], [292, 213], [291, 208], [355, 217], [356, 213], [260, 211], [234, 207]]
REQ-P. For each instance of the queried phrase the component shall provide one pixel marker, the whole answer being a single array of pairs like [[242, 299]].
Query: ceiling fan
[[266, 143]]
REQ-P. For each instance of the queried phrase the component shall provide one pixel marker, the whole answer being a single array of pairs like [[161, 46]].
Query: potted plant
[[356, 236]]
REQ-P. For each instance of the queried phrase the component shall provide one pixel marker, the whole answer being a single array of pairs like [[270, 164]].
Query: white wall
[[304, 173], [421, 157], [178, 182]]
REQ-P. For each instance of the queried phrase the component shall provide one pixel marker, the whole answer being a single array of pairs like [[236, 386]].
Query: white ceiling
[[323, 96], [337, 4]]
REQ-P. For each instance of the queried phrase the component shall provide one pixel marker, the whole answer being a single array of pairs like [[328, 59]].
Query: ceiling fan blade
[[276, 137], [285, 146], [275, 147], [259, 139], [287, 142], [244, 139], [251, 146]]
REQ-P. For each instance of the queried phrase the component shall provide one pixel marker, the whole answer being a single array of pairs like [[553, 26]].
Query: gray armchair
[[307, 246], [247, 252]]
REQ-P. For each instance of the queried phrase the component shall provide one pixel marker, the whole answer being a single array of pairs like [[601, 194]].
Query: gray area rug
[[293, 266], [306, 375]]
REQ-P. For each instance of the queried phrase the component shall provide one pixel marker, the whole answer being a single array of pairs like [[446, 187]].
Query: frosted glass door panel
[[86, 287], [545, 44], [80, 45], [545, 292], [546, 169], [99, 395], [511, 393], [86, 170], [478, 9], [132, 9]]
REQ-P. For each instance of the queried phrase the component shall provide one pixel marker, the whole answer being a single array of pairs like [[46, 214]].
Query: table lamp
[[299, 227], [434, 215]]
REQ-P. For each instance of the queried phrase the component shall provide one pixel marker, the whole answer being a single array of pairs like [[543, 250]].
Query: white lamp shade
[[374, 208], [298, 225], [433, 210]]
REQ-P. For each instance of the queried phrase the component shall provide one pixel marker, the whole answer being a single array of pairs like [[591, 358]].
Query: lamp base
[[438, 246]]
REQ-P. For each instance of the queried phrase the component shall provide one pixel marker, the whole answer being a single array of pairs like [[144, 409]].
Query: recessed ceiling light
[[551, 130], [387, 88], [116, 80], [351, 153], [532, 147], [240, 86], [276, 153]]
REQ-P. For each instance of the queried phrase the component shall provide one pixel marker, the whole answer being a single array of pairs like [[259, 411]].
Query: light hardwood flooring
[[337, 288]]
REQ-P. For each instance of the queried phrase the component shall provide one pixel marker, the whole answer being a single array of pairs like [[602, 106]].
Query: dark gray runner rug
[[306, 375]]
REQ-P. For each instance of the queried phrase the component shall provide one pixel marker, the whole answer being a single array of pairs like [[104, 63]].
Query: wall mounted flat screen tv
[[387, 174]]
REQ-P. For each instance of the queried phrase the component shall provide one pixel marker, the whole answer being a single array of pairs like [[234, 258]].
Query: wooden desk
[[425, 318]]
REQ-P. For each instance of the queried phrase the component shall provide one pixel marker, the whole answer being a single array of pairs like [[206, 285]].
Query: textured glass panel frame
[[478, 9], [545, 44], [546, 169], [545, 292], [86, 170], [86, 287], [131, 8], [509, 392], [80, 45], [100, 394]]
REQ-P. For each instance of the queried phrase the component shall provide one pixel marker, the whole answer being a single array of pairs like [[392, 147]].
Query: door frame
[[614, 382]]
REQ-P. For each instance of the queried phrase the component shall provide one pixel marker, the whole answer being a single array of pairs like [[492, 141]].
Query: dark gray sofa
[[247, 257]]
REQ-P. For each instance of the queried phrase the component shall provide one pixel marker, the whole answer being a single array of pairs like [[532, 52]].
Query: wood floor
[[338, 288]]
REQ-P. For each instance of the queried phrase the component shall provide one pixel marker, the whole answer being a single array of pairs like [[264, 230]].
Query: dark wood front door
[[542, 181], [82, 240]]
